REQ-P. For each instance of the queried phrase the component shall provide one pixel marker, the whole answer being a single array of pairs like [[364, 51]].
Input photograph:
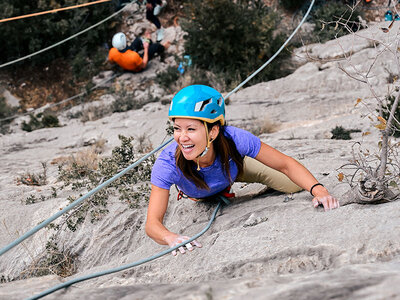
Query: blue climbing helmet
[[199, 102]]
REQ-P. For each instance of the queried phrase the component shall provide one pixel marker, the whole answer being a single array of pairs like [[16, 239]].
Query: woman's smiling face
[[190, 134]]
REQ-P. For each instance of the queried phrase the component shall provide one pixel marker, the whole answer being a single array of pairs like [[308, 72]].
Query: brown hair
[[225, 149]]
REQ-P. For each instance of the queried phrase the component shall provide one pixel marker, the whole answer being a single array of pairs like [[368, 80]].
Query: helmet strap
[[198, 165], [207, 147]]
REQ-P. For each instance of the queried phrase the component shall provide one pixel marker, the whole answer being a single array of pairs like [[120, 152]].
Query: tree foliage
[[233, 38], [25, 36], [334, 20], [292, 4]]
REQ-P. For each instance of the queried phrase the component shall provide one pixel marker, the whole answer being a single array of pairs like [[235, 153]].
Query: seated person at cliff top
[[128, 57]]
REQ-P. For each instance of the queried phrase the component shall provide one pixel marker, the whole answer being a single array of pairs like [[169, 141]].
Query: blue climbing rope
[[134, 264]]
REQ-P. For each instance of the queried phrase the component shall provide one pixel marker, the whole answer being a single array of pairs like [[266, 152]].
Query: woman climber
[[207, 157]]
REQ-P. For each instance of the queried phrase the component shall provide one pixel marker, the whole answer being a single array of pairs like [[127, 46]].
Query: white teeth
[[187, 146]]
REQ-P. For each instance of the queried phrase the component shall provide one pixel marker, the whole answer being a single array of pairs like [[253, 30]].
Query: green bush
[[25, 36], [40, 121], [86, 63], [31, 199], [339, 133], [132, 188], [292, 5], [233, 38], [334, 20], [200, 76], [167, 78]]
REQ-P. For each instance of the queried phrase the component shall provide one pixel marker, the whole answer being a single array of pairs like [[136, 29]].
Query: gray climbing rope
[[81, 199]]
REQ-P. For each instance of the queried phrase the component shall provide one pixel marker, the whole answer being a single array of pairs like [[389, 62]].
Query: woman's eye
[[191, 129], [176, 128]]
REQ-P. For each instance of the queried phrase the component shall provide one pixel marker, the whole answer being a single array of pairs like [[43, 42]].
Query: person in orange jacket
[[128, 57]]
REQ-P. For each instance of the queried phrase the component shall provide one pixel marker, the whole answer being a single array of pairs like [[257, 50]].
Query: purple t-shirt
[[165, 173]]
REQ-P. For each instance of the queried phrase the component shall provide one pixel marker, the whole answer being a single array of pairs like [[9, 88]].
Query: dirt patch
[[39, 85]]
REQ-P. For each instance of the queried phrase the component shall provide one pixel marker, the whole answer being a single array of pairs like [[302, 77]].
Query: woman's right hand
[[175, 239]]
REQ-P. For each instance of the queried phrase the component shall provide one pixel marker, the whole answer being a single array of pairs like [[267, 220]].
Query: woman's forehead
[[187, 122]]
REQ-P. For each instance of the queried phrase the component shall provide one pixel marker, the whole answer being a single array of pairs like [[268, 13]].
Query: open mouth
[[187, 146]]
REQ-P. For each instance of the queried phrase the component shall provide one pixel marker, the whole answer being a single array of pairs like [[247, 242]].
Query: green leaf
[[393, 184]]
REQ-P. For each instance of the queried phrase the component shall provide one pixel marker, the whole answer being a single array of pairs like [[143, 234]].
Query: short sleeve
[[246, 143], [163, 173]]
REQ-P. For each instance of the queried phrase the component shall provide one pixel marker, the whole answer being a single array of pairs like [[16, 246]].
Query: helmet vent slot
[[202, 105], [219, 101], [213, 111]]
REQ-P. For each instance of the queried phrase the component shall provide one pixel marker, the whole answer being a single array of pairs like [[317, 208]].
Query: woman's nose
[[183, 135]]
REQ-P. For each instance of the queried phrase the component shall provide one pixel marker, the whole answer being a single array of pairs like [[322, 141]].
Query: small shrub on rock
[[34, 178], [32, 199], [52, 261], [40, 121], [132, 188], [339, 133]]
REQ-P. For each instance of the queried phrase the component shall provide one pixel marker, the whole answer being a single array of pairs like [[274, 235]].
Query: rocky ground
[[265, 245]]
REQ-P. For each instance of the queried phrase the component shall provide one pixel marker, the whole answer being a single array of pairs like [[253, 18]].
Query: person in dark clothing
[[153, 8], [154, 48], [150, 6]]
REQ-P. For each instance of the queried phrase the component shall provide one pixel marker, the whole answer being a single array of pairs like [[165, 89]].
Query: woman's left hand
[[329, 202], [173, 241]]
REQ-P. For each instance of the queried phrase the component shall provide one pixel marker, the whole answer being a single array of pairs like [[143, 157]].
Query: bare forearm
[[290, 167], [157, 231], [303, 177], [145, 58]]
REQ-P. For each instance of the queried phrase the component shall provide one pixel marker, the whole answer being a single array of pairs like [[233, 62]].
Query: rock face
[[265, 245]]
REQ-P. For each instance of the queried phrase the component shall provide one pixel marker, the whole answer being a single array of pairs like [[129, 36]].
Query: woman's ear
[[214, 132]]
